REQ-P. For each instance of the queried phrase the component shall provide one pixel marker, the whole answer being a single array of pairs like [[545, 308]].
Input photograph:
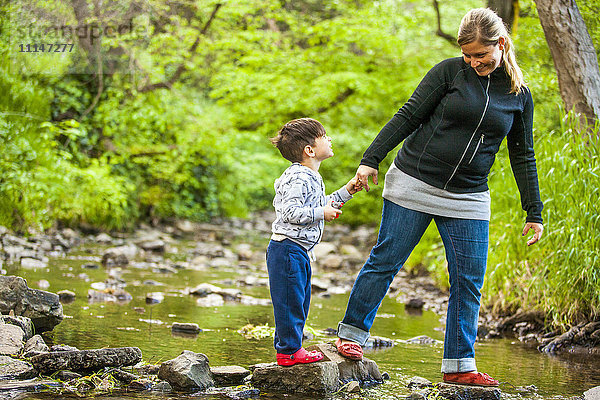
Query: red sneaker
[[300, 357], [471, 379]]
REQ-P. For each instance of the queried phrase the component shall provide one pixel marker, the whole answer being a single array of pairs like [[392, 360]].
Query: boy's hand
[[353, 186], [331, 213]]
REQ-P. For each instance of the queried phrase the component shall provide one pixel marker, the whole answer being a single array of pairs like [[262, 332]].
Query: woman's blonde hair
[[486, 27]]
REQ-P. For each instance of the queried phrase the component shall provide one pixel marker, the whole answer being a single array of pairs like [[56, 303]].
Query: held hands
[[537, 229], [362, 175], [353, 186]]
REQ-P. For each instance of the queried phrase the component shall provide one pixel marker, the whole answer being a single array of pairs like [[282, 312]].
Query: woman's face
[[483, 59]]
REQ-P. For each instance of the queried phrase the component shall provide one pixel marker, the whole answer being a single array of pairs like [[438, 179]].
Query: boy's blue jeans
[[466, 244], [289, 281]]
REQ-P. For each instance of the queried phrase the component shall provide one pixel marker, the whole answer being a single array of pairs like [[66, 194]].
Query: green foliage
[[42, 181]]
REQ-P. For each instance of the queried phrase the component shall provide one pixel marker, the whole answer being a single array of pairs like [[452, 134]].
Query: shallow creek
[[147, 326]]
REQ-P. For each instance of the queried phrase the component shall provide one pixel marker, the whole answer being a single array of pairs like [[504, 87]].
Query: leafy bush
[[43, 179]]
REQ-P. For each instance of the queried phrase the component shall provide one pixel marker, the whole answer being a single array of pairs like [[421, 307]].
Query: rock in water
[[230, 375], [189, 371], [185, 327], [86, 360], [364, 371], [123, 376], [11, 369], [66, 296], [43, 308], [34, 346], [592, 394], [22, 322], [67, 375], [459, 392], [315, 378]]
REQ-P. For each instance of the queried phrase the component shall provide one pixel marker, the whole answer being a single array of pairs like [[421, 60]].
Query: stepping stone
[[364, 371], [230, 375], [461, 392], [315, 378]]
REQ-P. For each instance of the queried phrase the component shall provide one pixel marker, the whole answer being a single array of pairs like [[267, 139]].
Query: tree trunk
[[574, 57], [506, 9]]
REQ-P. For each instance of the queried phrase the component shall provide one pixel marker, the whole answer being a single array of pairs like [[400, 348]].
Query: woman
[[452, 127]]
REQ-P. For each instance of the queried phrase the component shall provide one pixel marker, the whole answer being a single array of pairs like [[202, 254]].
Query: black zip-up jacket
[[454, 124]]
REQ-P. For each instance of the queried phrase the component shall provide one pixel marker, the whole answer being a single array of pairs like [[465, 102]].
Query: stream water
[[147, 326]]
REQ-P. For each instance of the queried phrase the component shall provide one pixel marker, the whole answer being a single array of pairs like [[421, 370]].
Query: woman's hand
[[537, 232], [363, 173]]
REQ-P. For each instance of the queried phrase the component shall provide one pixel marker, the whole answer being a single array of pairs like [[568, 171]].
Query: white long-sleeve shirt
[[300, 205]]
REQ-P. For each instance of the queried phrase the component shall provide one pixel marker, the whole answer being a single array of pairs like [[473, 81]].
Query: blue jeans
[[466, 244], [289, 282]]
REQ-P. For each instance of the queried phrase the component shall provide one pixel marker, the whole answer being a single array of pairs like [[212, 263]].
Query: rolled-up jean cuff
[[452, 366], [353, 333]]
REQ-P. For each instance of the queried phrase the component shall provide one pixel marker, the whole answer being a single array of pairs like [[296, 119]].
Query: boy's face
[[322, 148]]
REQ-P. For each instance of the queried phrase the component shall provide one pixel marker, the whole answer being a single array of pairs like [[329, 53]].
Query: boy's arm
[[341, 195], [293, 208], [344, 193]]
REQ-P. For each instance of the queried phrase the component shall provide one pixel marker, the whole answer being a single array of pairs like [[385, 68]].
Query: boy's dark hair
[[295, 135]]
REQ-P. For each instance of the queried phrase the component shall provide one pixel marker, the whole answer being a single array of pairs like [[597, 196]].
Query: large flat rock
[[86, 360], [325, 376], [315, 378]]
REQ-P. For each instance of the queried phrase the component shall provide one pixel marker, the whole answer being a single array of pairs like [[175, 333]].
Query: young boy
[[301, 208]]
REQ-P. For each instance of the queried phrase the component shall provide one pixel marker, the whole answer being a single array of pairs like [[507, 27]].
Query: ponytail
[[517, 83]]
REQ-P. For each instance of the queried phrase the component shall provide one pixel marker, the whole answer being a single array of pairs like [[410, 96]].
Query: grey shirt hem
[[408, 192]]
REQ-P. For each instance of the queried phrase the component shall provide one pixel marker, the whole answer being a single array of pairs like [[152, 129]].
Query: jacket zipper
[[480, 141], [487, 102]]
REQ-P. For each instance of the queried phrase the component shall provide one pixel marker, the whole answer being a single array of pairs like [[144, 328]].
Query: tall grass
[[560, 275]]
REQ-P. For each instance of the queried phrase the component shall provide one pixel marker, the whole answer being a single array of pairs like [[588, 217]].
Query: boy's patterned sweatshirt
[[300, 203]]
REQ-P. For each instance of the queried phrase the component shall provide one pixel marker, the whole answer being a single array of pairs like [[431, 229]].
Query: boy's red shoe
[[300, 357], [471, 379]]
